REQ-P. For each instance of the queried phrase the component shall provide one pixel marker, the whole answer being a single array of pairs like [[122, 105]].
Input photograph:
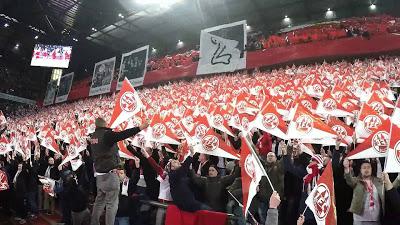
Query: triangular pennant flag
[[127, 104], [50, 143], [306, 125], [375, 145], [218, 121], [270, 121], [343, 131], [376, 103], [251, 175], [3, 181], [160, 133], [48, 185], [5, 145], [368, 121], [123, 151], [328, 105], [76, 163], [393, 157], [200, 128], [321, 200], [212, 144]]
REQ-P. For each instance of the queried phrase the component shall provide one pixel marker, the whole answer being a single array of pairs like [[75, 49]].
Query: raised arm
[[348, 176], [112, 137]]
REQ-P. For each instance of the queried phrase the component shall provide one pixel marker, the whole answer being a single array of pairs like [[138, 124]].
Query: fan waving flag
[[160, 133], [270, 121], [251, 175], [375, 145], [50, 143], [393, 157], [307, 125], [3, 181], [127, 104], [212, 144], [321, 200]]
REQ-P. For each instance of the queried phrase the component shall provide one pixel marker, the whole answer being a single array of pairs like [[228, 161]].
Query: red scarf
[[369, 186]]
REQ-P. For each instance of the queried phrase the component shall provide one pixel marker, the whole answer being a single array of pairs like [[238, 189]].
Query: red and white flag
[[396, 113], [375, 145], [368, 121], [328, 105], [2, 118], [5, 145], [306, 125], [124, 152], [127, 104], [342, 130], [3, 181], [200, 128], [212, 144], [269, 120], [48, 185], [159, 132], [50, 143], [251, 175], [393, 156], [218, 121], [321, 200]]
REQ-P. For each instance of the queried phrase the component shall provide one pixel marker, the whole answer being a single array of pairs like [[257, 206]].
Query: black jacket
[[104, 147], [214, 189], [179, 186], [126, 205]]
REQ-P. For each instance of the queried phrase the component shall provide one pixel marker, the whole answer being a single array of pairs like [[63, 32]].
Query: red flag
[[368, 121], [375, 145], [342, 130], [307, 125], [3, 181], [212, 144], [321, 200], [161, 133], [328, 105], [201, 126], [127, 104], [49, 142], [123, 151], [5, 146], [393, 157]]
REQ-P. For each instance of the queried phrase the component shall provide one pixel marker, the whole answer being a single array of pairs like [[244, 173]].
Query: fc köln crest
[[393, 156], [371, 122], [128, 102], [304, 124], [380, 141], [322, 201], [329, 104], [210, 143], [159, 130], [250, 167], [378, 107], [270, 121]]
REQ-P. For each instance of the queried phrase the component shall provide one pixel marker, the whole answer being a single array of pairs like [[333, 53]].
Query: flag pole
[[253, 152], [305, 210], [241, 205]]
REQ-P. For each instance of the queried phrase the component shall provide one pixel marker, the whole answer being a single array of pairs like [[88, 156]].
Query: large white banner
[[133, 66], [65, 87], [103, 73], [222, 48], [50, 93]]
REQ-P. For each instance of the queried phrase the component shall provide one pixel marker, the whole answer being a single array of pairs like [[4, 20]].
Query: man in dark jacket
[[20, 188], [179, 185], [106, 160]]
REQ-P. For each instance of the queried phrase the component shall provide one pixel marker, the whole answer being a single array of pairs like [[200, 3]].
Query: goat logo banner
[[222, 48], [133, 66], [65, 87], [50, 93], [102, 77]]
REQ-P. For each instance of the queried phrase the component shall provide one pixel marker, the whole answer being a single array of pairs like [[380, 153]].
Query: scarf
[[369, 186]]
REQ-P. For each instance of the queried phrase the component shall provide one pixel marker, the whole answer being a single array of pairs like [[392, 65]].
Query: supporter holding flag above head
[[106, 160]]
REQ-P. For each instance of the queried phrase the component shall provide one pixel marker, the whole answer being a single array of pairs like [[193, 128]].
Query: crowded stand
[[187, 145]]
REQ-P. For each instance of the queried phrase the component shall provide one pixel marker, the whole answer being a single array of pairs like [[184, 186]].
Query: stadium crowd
[[175, 174]]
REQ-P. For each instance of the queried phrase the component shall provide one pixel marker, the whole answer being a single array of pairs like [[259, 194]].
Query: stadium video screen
[[51, 56]]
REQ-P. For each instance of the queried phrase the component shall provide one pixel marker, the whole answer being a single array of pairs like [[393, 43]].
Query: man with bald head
[[106, 161]]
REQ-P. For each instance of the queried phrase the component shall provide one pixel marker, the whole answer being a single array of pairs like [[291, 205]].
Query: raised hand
[[274, 200], [300, 220]]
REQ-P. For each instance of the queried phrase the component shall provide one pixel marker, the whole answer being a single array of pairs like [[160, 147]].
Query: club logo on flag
[[270, 121], [218, 120], [329, 104], [304, 124], [210, 143], [49, 141], [249, 166], [159, 130], [200, 131], [241, 106], [140, 139], [128, 102], [371, 122], [378, 107], [245, 123], [71, 151], [397, 151], [137, 121], [380, 141], [3, 147], [322, 201], [340, 131], [306, 104], [317, 88], [227, 117]]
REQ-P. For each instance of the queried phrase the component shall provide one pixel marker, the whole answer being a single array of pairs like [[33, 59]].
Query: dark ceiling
[[123, 25]]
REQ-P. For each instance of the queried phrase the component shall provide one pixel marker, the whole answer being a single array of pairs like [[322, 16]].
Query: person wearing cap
[[368, 200], [106, 161]]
